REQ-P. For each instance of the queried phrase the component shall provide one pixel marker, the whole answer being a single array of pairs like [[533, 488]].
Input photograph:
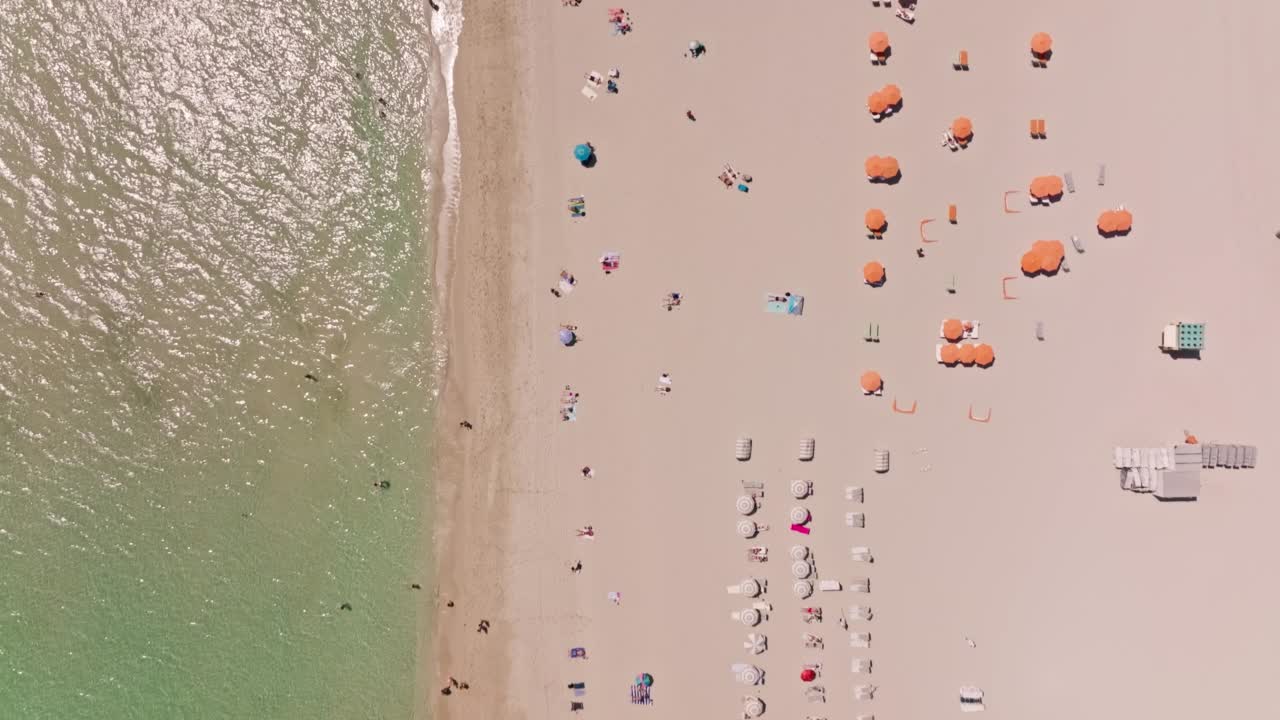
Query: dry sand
[[1081, 597]]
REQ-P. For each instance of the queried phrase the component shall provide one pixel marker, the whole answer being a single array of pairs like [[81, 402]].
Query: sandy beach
[[1080, 598]]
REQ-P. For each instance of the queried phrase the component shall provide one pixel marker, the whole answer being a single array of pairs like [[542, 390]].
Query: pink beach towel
[[800, 529]]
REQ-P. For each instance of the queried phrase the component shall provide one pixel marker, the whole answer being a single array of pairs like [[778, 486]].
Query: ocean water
[[200, 205]]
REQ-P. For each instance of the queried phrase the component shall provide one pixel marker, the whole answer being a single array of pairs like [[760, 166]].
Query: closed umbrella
[[1041, 43], [967, 353], [873, 273], [875, 220], [984, 355], [892, 94], [962, 128], [952, 329], [950, 354], [582, 152], [871, 381], [877, 103], [878, 41]]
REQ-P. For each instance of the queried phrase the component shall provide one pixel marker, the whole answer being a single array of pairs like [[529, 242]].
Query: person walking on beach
[[587, 472], [689, 114], [465, 425]]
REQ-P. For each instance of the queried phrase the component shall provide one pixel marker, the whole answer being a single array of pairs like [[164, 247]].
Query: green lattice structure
[[1190, 336]]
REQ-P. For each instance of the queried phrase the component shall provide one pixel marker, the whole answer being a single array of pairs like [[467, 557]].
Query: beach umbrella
[[1108, 221], [747, 529], [1124, 220], [1030, 262], [750, 587], [873, 273], [878, 41], [877, 103], [802, 589], [799, 515], [1041, 43], [871, 381], [799, 552], [750, 617], [582, 152], [745, 504], [1049, 247], [875, 219], [874, 166], [950, 354], [984, 355], [967, 353], [799, 489], [1046, 186], [753, 707], [646, 679], [801, 569], [962, 128], [952, 329], [1050, 262], [756, 643], [567, 337], [892, 94], [889, 167], [750, 675], [808, 675]]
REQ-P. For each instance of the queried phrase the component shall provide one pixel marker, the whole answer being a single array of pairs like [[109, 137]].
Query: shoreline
[[477, 285]]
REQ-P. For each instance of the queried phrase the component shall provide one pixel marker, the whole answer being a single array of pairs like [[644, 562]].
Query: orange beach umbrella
[[875, 220], [1046, 186], [1050, 262], [984, 354], [874, 166], [952, 329], [950, 354], [878, 42], [873, 272], [967, 353], [1108, 222], [1124, 220], [892, 94], [1030, 262], [889, 167], [871, 381], [877, 103], [1041, 43], [962, 128]]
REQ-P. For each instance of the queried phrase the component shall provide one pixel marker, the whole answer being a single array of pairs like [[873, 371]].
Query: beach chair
[[855, 519], [860, 639], [864, 692], [861, 553], [815, 694], [971, 699], [830, 586], [853, 493], [742, 449], [758, 554], [962, 62], [1102, 174], [860, 585], [807, 447], [858, 612], [860, 666], [880, 461], [1070, 181], [951, 214], [575, 706], [905, 16]]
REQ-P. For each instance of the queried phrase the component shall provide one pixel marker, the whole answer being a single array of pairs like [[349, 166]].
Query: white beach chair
[[971, 699], [829, 585], [861, 666], [853, 493], [864, 692], [589, 93], [806, 449], [858, 612], [881, 460], [860, 639], [742, 449], [1070, 182], [860, 585], [855, 519], [861, 553]]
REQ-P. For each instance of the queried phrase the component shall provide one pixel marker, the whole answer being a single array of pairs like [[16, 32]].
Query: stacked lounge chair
[[1214, 455]]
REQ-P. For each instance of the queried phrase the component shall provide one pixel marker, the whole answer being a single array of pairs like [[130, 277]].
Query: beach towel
[[799, 528]]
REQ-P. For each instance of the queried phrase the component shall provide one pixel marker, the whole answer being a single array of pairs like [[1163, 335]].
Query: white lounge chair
[[860, 585], [855, 519], [861, 665], [853, 493], [860, 639], [829, 585], [861, 553], [858, 612], [971, 699]]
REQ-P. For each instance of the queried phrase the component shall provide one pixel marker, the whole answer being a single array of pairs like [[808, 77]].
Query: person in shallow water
[[384, 484]]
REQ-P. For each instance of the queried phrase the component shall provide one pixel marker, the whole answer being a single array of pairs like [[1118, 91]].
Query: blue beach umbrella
[[582, 152], [567, 337]]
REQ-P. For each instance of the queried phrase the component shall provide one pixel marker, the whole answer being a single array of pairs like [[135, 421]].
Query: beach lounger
[[1213, 456], [865, 716], [807, 447], [951, 214], [1040, 129], [1250, 456], [906, 16], [853, 493], [589, 93], [855, 519], [861, 553], [864, 692], [811, 641], [858, 612], [815, 694], [971, 699], [742, 449], [1102, 174], [860, 585], [1040, 330], [962, 62], [880, 461], [1077, 244], [830, 586], [1034, 135], [860, 639], [861, 666], [1070, 181]]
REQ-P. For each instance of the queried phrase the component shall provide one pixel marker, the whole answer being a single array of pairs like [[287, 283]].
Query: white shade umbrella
[[746, 504], [750, 587], [750, 617], [756, 643], [747, 529], [799, 489], [799, 515], [799, 552], [802, 589], [753, 707], [801, 569], [750, 675]]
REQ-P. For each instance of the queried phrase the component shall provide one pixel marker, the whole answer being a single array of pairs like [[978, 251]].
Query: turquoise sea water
[[199, 206]]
